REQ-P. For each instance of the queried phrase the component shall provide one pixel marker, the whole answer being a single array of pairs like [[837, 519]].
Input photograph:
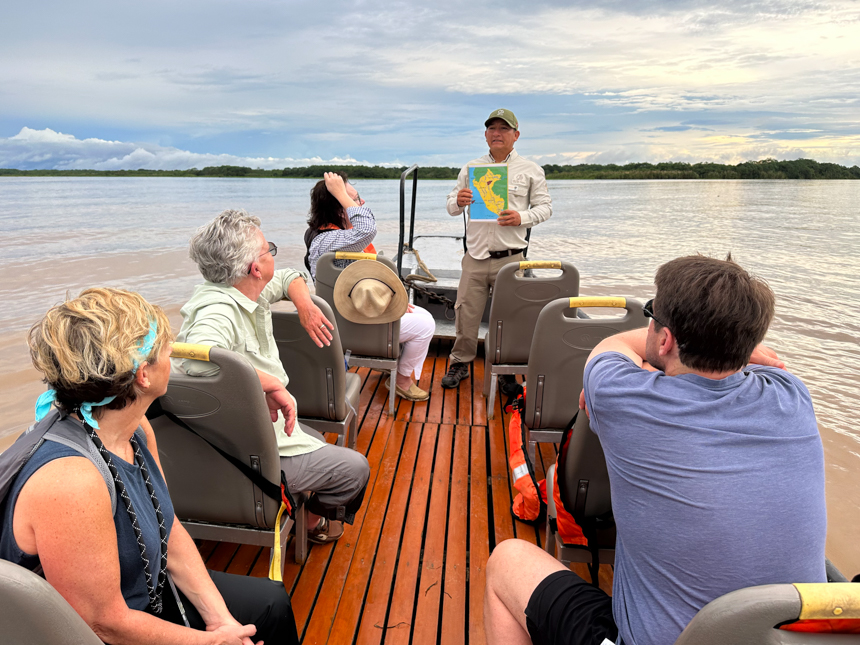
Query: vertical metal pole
[[402, 223], [403, 177], [414, 194]]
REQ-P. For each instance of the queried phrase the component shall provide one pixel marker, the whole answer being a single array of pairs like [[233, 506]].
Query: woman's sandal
[[414, 393]]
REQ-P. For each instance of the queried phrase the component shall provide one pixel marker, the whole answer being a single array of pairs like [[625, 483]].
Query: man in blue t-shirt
[[716, 467]]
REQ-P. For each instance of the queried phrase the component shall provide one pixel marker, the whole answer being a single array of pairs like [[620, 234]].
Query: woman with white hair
[[106, 357], [231, 310]]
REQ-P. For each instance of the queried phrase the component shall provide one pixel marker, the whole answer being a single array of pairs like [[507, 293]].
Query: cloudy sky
[[273, 83]]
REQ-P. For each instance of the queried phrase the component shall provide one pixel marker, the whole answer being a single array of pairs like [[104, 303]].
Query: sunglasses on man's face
[[648, 310], [272, 249]]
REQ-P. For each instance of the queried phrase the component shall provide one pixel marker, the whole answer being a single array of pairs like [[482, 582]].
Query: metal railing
[[412, 170]]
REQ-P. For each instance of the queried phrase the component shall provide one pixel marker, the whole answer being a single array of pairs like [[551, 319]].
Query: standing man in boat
[[231, 310], [716, 468], [492, 245]]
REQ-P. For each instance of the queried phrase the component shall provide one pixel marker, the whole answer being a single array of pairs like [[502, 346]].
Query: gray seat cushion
[[33, 612]]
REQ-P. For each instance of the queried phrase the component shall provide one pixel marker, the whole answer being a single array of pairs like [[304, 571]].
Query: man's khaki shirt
[[527, 194], [221, 315]]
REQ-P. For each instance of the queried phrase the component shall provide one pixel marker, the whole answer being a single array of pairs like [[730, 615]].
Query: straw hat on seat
[[369, 293]]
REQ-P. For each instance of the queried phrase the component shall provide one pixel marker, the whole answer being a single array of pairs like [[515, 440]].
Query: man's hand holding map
[[489, 185]]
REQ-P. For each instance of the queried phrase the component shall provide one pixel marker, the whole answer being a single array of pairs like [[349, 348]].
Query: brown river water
[[60, 235]]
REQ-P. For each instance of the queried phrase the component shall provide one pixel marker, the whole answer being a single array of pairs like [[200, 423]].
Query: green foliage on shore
[[371, 172], [764, 169], [311, 172]]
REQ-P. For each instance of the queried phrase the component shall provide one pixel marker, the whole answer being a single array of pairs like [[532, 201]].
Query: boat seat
[[326, 394], [770, 614], [33, 612], [518, 297], [585, 492], [373, 346], [559, 350], [212, 498]]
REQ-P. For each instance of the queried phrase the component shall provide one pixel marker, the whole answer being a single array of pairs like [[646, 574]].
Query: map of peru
[[492, 201]]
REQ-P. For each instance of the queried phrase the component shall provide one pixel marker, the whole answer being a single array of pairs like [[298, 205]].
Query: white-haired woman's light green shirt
[[222, 316]]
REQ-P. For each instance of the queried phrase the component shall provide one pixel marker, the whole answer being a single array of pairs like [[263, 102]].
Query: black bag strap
[[278, 493], [310, 235]]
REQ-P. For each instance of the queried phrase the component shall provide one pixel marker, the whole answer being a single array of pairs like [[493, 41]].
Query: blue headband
[[46, 399], [44, 402], [144, 347]]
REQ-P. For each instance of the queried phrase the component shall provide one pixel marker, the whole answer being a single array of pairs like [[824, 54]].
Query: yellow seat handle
[[598, 301], [540, 264], [348, 255], [828, 600], [190, 350]]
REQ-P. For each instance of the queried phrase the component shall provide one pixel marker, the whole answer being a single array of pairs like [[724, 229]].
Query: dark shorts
[[566, 610]]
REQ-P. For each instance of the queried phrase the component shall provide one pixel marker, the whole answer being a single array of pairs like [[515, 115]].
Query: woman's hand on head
[[334, 184]]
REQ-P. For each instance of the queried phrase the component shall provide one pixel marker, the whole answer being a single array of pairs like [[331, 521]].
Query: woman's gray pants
[[336, 475]]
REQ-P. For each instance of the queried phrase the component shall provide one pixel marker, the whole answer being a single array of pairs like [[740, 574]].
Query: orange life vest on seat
[[530, 503]]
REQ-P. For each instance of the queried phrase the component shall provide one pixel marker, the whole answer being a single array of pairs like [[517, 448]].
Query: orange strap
[[831, 626], [286, 500]]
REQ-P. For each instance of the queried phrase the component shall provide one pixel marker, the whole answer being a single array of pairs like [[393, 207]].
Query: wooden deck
[[411, 567]]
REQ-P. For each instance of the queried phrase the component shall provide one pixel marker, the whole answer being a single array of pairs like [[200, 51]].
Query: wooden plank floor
[[411, 567]]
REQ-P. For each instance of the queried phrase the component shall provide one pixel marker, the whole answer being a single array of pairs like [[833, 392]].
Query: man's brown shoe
[[326, 531]]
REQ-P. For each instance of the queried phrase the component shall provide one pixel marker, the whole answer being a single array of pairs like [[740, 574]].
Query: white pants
[[416, 331]]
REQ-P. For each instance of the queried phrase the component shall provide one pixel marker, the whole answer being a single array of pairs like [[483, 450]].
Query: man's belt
[[503, 254]]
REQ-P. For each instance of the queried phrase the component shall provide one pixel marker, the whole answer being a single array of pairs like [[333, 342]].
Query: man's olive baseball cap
[[505, 115]]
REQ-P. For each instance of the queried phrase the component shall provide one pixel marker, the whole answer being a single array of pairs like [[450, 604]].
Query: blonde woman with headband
[[105, 357]]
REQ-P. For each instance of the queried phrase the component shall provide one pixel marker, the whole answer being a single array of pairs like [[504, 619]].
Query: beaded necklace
[[154, 591]]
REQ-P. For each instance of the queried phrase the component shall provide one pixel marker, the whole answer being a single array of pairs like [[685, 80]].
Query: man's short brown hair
[[717, 311]]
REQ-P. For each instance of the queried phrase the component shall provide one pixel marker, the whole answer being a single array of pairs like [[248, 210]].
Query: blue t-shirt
[[716, 485], [132, 579]]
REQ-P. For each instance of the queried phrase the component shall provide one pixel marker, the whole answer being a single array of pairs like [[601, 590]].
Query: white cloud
[[49, 149], [45, 136]]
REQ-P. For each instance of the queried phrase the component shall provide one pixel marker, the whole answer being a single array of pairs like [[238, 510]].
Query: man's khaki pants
[[475, 282]]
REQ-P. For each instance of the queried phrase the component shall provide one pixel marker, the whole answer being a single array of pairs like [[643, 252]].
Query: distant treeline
[[355, 172], [764, 169]]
